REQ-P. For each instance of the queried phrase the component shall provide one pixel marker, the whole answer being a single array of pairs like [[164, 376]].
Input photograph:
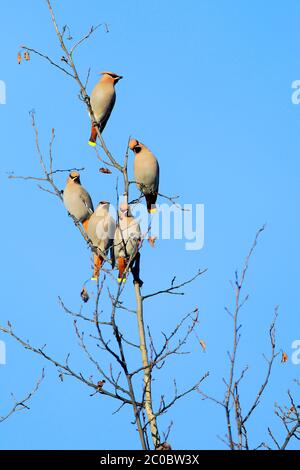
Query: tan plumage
[[127, 240], [77, 200], [146, 172], [103, 98], [101, 230]]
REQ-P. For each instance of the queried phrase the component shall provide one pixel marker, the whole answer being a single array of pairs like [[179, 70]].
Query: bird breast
[[77, 201], [102, 98], [146, 172], [127, 237], [101, 231]]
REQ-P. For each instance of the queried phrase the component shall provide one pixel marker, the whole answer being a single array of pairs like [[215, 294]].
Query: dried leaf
[[152, 241], [26, 55], [284, 357], [100, 384], [202, 344], [19, 58], [291, 410], [104, 170], [164, 446], [84, 295]]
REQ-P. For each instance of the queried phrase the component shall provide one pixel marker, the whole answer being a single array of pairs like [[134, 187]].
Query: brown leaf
[[84, 295], [100, 384], [19, 58], [26, 55], [202, 344], [164, 446], [284, 357], [152, 241], [104, 170]]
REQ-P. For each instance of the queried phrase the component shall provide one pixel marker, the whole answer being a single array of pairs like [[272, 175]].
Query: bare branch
[[177, 396], [20, 405], [172, 288], [269, 369]]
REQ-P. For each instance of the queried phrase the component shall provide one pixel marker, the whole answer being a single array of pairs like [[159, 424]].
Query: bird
[[102, 100], [126, 241], [146, 173], [77, 200], [101, 230]]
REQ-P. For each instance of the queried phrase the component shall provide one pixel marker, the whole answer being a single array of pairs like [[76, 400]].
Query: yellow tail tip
[[153, 211], [92, 144], [120, 279]]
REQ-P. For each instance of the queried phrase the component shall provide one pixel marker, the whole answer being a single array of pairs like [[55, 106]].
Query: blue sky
[[207, 86]]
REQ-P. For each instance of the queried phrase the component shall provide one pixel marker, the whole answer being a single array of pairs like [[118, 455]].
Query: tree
[[237, 436], [120, 364], [119, 380]]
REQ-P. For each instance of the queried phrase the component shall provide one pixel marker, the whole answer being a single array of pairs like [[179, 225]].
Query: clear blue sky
[[207, 86]]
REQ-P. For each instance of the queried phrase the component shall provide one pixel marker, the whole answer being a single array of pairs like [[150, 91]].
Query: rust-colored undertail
[[98, 261], [93, 137], [85, 224], [122, 263]]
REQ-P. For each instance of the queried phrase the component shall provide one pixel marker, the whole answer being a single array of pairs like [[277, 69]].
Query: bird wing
[[117, 245], [104, 120], [112, 256], [157, 179], [86, 198]]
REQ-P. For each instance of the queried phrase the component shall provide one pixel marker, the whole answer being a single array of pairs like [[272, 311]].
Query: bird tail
[[98, 261], [93, 137], [122, 263], [151, 200], [112, 256]]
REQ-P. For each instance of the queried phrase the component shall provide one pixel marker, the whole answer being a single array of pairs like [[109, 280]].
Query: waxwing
[[127, 240], [101, 230], [146, 173], [103, 98], [77, 200]]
